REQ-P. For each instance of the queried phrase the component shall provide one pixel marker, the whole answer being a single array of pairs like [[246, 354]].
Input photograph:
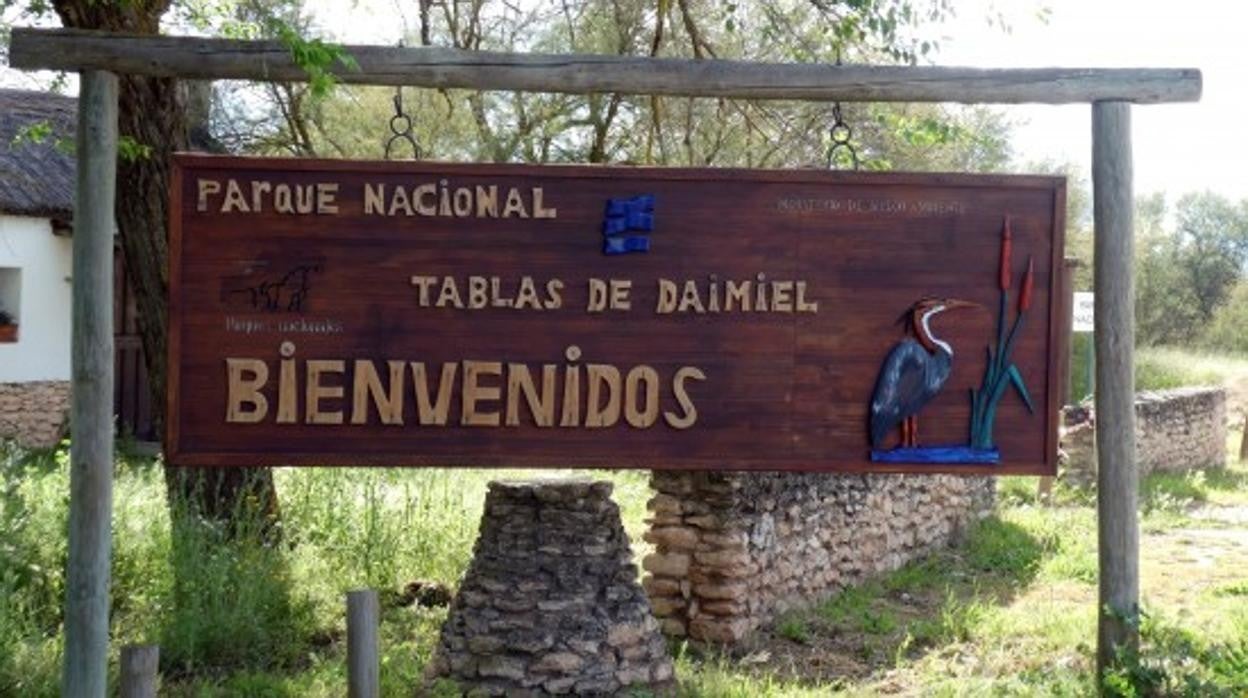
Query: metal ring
[[406, 120], [853, 155], [403, 137]]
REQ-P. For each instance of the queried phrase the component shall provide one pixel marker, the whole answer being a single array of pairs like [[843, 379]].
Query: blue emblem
[[623, 216]]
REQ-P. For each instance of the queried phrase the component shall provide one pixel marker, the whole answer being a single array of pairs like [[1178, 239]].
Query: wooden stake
[[363, 670], [140, 666], [91, 405], [1114, 336]]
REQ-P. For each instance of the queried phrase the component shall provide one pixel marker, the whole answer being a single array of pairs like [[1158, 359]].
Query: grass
[[1009, 612], [1161, 368], [242, 618]]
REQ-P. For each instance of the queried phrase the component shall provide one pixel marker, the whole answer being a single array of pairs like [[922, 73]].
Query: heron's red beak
[[954, 303]]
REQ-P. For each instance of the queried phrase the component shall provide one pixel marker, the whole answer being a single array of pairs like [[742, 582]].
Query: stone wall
[[1175, 430], [1182, 429], [34, 414], [732, 550]]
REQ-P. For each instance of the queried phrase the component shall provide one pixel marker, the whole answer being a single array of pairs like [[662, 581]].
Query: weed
[[1173, 493], [1239, 588], [916, 576], [793, 627], [1173, 661]]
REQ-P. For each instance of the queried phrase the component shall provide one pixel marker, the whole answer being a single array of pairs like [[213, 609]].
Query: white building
[[36, 204]]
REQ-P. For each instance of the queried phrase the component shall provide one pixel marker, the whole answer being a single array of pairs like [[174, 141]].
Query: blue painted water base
[[937, 454]]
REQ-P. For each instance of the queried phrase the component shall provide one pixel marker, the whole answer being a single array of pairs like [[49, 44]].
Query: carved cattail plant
[[999, 370]]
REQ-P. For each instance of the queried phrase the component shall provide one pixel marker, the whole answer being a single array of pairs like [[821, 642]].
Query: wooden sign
[[346, 313]]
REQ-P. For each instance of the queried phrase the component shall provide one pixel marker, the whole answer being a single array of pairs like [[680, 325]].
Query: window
[[10, 303]]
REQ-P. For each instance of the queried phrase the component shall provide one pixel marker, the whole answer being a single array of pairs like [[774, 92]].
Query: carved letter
[[690, 416], [234, 199], [375, 199], [326, 192], [424, 283], [367, 384], [246, 391], [449, 293], [802, 305], [317, 392], [436, 411], [596, 414], [487, 201], [398, 201], [515, 204], [281, 199], [689, 298], [207, 187], [667, 297], [478, 292], [520, 381], [597, 296], [538, 211], [474, 392], [647, 414], [620, 288], [782, 296], [527, 295], [738, 293], [419, 194]]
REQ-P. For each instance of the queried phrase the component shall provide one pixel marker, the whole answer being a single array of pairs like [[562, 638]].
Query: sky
[[1178, 147]]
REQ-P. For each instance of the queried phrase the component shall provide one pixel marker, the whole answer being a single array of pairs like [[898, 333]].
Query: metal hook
[[401, 127], [841, 134]]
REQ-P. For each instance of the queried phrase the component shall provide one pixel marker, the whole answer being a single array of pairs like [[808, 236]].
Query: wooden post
[[1243, 441], [363, 672], [140, 666], [1114, 335], [1044, 488], [91, 407]]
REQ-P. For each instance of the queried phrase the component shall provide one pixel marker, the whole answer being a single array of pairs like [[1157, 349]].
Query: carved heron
[[915, 370]]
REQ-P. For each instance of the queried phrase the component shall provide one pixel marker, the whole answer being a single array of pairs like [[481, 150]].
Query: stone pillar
[[550, 603]]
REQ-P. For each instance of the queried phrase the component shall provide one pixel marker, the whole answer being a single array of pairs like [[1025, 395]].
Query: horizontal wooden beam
[[207, 59]]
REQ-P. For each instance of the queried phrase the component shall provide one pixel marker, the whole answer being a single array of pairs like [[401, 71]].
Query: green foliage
[[1186, 271], [1173, 661], [131, 150], [525, 127], [1228, 328], [316, 57]]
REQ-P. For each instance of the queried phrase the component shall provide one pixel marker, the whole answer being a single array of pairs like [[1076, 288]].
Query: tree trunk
[[151, 115]]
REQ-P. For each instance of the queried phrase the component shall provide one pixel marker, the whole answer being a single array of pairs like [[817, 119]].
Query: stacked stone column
[[550, 604]]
